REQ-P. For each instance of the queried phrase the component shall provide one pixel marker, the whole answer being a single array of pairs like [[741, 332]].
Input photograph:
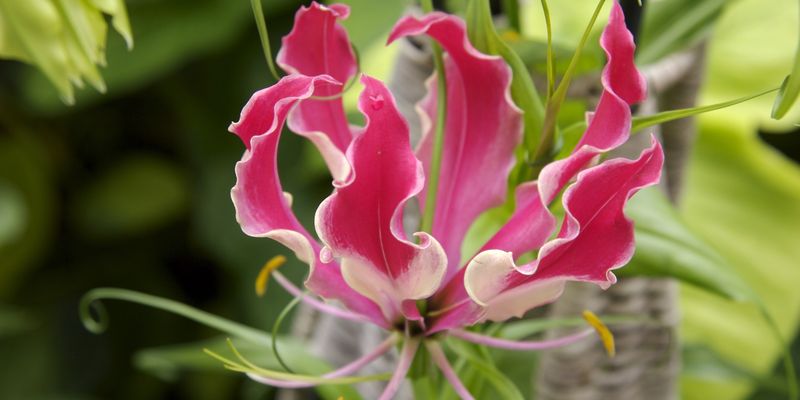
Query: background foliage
[[131, 189]]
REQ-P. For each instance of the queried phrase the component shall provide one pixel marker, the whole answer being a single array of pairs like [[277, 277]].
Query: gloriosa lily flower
[[364, 262]]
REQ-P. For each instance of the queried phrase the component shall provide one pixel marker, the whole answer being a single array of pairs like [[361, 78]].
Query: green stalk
[[551, 65], [544, 150], [438, 135], [261, 24]]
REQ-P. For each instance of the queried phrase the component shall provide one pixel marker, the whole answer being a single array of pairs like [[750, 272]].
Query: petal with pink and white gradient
[[319, 45], [609, 127], [528, 228], [263, 209], [595, 239], [482, 130], [361, 222]]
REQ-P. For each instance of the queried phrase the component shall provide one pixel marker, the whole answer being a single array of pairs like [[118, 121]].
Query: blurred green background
[[131, 189]]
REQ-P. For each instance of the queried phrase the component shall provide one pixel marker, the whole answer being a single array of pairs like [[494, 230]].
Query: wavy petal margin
[[263, 209], [595, 239], [319, 45], [483, 128], [610, 124], [362, 221]]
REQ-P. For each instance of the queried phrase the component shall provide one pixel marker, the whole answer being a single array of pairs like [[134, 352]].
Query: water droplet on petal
[[377, 102]]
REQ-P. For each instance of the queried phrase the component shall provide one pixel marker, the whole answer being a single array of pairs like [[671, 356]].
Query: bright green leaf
[[753, 47], [665, 247], [744, 200], [790, 89], [675, 25]]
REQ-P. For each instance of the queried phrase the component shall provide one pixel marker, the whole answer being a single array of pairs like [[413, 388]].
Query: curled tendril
[[97, 323], [91, 301]]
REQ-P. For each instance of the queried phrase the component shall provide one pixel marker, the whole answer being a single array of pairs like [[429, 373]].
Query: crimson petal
[[361, 222], [263, 209], [483, 128]]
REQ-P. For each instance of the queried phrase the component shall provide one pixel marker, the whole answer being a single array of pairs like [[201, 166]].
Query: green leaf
[[665, 247], [744, 200], [790, 89], [702, 363], [165, 363], [168, 362], [675, 25], [753, 46], [645, 121]]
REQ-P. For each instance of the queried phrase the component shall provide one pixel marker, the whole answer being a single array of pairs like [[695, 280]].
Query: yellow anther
[[605, 334], [266, 270]]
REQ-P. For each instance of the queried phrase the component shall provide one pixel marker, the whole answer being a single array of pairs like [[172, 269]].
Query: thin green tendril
[[277, 326], [349, 84], [91, 301], [559, 95], [261, 24], [551, 65]]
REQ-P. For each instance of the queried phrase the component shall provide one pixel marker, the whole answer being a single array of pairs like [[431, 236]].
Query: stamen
[[263, 276], [515, 345], [341, 372], [438, 356], [605, 334], [285, 379], [403, 365], [326, 308]]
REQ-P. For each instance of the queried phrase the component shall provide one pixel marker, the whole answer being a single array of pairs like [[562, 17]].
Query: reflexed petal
[[528, 228], [595, 238], [262, 209], [362, 221], [610, 124], [483, 128], [318, 45]]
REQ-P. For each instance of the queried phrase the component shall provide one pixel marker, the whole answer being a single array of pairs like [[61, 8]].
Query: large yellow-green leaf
[[752, 49], [744, 199]]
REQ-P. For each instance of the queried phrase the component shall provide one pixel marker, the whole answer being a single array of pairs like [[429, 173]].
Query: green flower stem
[[261, 24], [438, 138], [551, 65], [544, 151]]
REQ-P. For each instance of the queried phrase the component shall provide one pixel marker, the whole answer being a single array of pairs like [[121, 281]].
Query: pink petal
[[611, 122], [318, 45], [262, 209], [362, 221], [483, 129], [528, 228], [595, 238]]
